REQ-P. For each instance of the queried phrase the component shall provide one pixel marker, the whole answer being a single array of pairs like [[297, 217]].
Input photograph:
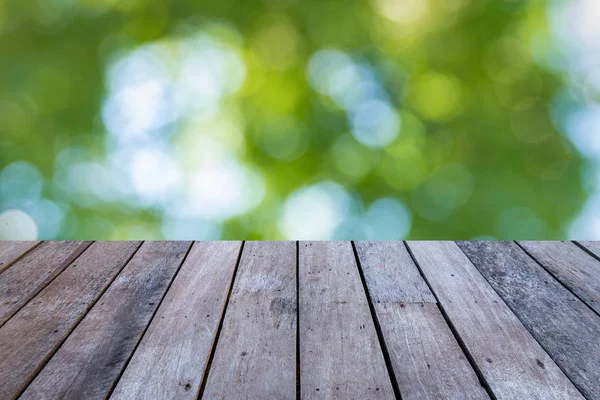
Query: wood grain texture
[[255, 357], [426, 359], [340, 355], [512, 362], [89, 362], [32, 272], [571, 265], [391, 274], [171, 359], [29, 338], [11, 251], [591, 246], [563, 325]]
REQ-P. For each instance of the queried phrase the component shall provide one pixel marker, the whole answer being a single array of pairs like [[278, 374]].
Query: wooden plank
[[256, 354], [391, 274], [11, 251], [591, 246], [512, 362], [90, 361], [172, 356], [567, 329], [33, 272], [571, 265], [426, 358], [29, 338], [340, 355]]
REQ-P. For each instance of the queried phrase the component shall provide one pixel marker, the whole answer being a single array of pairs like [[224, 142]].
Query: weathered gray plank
[[255, 357], [591, 246], [32, 272], [171, 358], [571, 265], [512, 362], [563, 325], [89, 362], [427, 360], [29, 338], [11, 251], [340, 355], [391, 274]]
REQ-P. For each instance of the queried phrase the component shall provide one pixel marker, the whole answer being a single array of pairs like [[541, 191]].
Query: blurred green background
[[271, 119]]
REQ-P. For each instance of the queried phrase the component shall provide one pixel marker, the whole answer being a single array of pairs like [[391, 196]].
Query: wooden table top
[[287, 320]]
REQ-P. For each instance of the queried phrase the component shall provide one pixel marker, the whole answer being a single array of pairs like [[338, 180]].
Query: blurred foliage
[[329, 119]]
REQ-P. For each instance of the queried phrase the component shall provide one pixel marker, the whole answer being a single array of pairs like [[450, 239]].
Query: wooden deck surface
[[310, 320]]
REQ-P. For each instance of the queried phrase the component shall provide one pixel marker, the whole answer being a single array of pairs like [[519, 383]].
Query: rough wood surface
[[172, 356], [563, 325], [591, 246], [391, 274], [32, 272], [571, 265], [426, 359], [255, 357], [29, 338], [11, 251], [102, 325], [88, 364], [340, 355], [512, 362]]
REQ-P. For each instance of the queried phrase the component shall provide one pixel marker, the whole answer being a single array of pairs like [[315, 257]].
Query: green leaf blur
[[272, 119]]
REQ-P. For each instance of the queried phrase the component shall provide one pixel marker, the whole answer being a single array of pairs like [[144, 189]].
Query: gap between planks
[[455, 333], [167, 361], [298, 373], [33, 271], [16, 250], [164, 295], [256, 351], [513, 363], [571, 286], [40, 352], [220, 327], [111, 329], [340, 353], [382, 343], [373, 314], [562, 324]]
